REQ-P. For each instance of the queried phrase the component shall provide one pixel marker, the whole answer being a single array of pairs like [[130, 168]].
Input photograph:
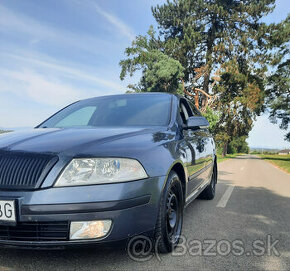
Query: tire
[[209, 192], [170, 218]]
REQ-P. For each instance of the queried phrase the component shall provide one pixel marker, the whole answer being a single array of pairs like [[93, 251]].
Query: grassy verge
[[228, 156], [281, 161]]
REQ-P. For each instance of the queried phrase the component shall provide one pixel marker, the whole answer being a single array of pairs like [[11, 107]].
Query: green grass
[[228, 156], [281, 161]]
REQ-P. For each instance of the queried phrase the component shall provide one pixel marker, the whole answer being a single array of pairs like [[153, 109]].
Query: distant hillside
[[14, 128], [261, 150], [4, 131]]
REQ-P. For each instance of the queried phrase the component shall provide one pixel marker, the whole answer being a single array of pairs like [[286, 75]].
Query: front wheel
[[170, 217]]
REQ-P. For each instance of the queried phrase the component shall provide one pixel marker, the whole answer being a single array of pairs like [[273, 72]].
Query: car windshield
[[114, 111]]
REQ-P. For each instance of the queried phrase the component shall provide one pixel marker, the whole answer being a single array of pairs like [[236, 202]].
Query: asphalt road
[[246, 227]]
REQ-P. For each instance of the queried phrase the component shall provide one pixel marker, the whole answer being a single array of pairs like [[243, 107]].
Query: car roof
[[141, 94]]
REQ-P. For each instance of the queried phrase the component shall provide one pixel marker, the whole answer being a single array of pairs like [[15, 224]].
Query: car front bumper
[[131, 206]]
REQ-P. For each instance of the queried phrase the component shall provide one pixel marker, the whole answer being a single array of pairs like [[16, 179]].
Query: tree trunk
[[225, 149], [196, 100], [206, 82], [210, 44], [205, 88]]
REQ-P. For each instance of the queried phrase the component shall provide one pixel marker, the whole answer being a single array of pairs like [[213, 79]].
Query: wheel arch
[[216, 167], [180, 170]]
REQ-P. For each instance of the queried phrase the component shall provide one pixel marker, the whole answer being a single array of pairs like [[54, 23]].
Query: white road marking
[[225, 198]]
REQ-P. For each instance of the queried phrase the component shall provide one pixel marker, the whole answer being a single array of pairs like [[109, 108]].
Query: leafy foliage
[[160, 73], [238, 145], [278, 91], [204, 34], [222, 47], [241, 98], [212, 117]]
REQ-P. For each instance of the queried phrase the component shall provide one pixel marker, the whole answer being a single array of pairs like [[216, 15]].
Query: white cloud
[[14, 23], [14, 114], [46, 81], [61, 69], [40, 84], [38, 88], [116, 22], [30, 96]]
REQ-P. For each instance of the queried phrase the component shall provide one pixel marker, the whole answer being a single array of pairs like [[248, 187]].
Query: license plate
[[7, 211]]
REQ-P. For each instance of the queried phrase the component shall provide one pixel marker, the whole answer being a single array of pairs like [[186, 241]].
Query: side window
[[184, 111], [80, 117], [194, 109]]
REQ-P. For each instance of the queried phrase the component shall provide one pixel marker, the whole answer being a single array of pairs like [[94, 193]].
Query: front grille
[[36, 231], [24, 170]]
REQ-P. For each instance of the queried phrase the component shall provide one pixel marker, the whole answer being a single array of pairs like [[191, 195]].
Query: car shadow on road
[[251, 214]]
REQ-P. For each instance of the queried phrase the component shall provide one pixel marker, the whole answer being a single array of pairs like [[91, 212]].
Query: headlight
[[100, 170]]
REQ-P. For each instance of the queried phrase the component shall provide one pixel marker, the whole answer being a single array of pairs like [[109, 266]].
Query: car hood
[[71, 141]]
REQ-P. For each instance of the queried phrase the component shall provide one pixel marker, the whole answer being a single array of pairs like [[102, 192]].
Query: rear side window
[[184, 111], [194, 109]]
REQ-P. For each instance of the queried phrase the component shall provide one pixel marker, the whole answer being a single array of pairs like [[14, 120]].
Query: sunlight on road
[[255, 173]]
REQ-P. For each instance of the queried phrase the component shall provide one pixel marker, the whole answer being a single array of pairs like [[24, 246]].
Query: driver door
[[195, 145]]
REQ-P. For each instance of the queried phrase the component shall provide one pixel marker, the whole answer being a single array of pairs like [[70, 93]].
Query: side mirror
[[197, 122]]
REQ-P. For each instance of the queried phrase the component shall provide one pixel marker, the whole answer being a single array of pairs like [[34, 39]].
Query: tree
[[204, 34], [160, 73], [223, 47], [238, 145], [241, 95], [212, 117], [278, 91]]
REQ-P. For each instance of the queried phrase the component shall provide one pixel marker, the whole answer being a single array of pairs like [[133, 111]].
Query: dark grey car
[[106, 169]]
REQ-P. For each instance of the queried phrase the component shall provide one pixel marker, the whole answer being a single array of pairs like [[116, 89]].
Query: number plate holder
[[8, 212]]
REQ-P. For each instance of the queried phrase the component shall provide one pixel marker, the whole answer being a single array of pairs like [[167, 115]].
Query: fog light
[[89, 229]]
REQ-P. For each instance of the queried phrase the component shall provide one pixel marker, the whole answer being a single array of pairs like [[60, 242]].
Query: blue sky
[[54, 52]]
